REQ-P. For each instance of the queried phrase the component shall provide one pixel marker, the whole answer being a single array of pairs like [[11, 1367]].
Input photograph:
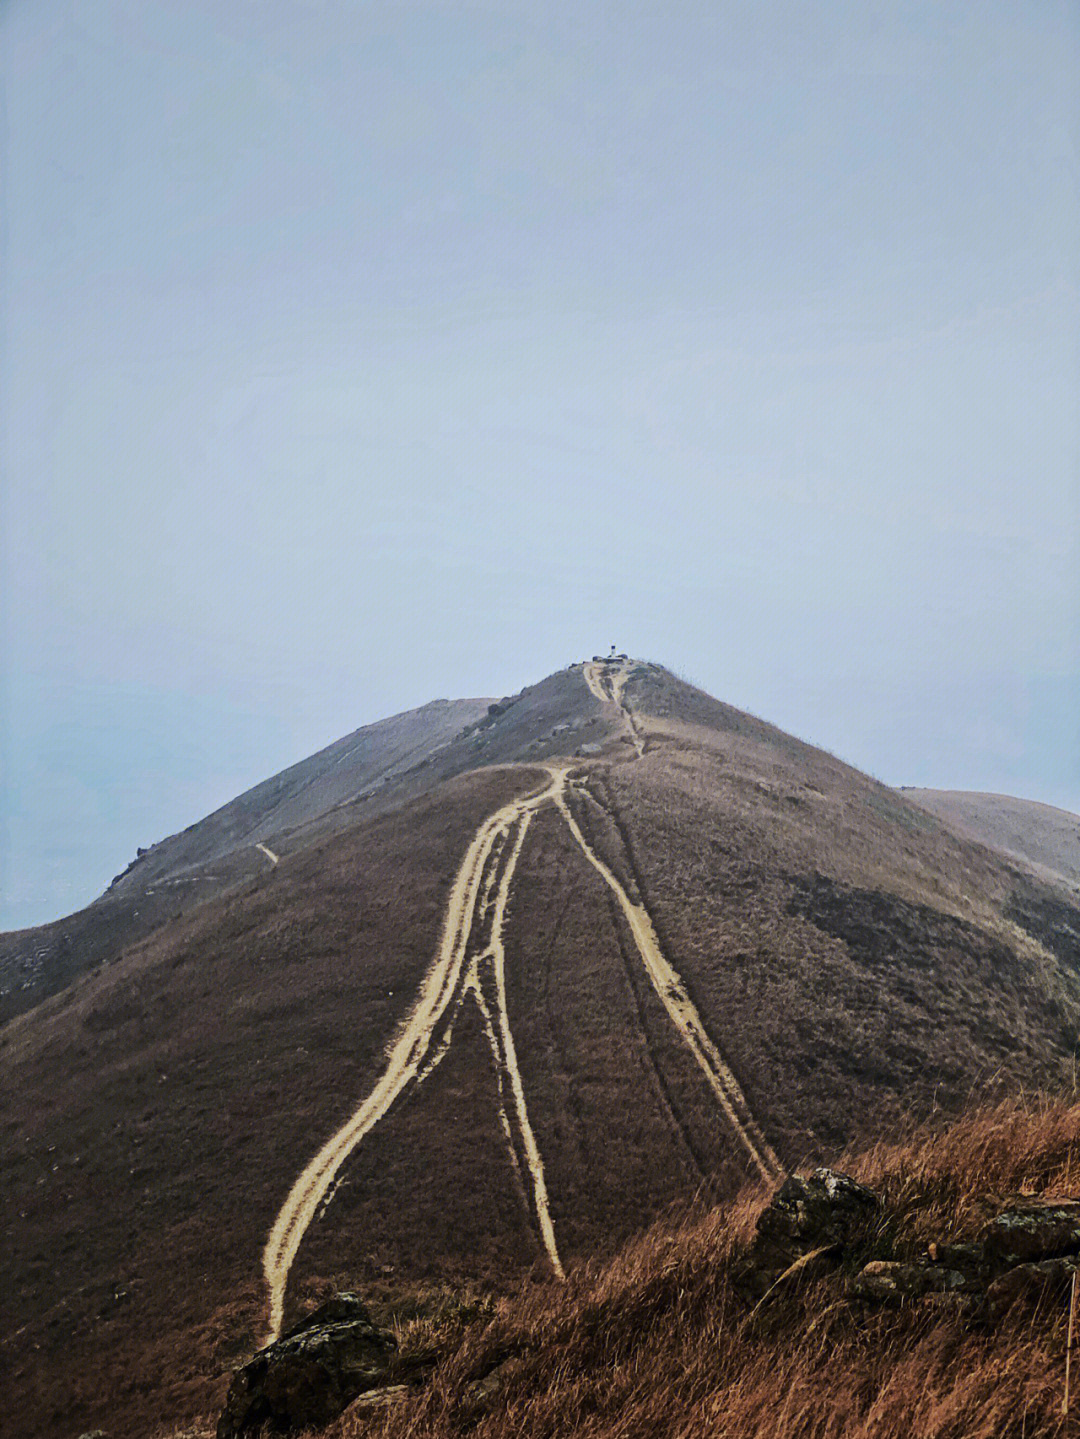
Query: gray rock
[[1047, 1280], [307, 1377], [333, 1311], [1031, 1232], [889, 1281], [821, 1213], [820, 1210]]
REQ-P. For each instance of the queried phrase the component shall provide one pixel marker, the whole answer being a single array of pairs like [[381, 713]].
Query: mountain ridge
[[179, 870], [646, 925], [1043, 836]]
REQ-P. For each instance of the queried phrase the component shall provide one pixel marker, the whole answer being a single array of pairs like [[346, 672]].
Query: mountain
[[231, 845], [515, 978], [1040, 835]]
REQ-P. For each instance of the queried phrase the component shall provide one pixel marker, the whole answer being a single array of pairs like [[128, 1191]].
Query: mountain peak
[[481, 989]]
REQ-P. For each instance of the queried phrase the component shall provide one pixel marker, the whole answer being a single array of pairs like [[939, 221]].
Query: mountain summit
[[485, 987]]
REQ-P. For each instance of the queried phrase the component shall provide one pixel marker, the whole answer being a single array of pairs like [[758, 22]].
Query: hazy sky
[[357, 354]]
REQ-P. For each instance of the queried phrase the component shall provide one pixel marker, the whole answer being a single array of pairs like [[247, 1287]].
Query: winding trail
[[607, 680], [412, 1046], [471, 964]]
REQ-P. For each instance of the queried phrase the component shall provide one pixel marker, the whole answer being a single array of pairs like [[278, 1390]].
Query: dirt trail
[[680, 1007], [413, 1045], [471, 963], [618, 684], [607, 680], [508, 1056], [271, 856], [485, 983], [594, 678]]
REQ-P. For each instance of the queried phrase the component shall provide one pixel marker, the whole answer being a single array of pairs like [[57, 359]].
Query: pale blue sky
[[357, 354]]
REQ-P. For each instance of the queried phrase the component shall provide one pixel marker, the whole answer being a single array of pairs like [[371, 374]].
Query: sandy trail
[[607, 682], [594, 678], [618, 684], [413, 1045], [468, 964], [271, 856], [682, 1011], [506, 1054], [487, 975]]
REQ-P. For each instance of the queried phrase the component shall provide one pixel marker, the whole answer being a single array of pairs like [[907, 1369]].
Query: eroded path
[[682, 1011], [607, 681], [418, 1045], [595, 675], [470, 965], [485, 983]]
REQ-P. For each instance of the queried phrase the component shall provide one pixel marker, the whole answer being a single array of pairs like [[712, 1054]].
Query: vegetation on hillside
[[660, 1341], [851, 959]]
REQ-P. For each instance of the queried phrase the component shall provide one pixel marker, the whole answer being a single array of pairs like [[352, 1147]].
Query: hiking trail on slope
[[465, 967], [673, 994], [411, 1047], [607, 681]]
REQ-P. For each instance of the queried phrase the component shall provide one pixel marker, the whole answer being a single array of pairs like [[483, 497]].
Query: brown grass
[[154, 1115], [852, 959], [658, 1343]]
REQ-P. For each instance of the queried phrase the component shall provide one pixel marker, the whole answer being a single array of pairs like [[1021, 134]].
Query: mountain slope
[[1039, 834], [232, 844], [614, 945], [663, 1340], [368, 772]]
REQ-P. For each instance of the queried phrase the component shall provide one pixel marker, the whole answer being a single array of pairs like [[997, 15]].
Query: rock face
[[1031, 1232], [308, 1376], [890, 1280], [1027, 1254], [807, 1217]]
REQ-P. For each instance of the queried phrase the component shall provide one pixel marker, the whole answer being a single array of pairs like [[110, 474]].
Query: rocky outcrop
[[313, 1372], [1027, 1253], [1031, 1232], [891, 1280], [808, 1220], [1044, 1281]]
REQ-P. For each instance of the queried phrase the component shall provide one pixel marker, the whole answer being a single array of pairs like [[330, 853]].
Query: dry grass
[[155, 1114], [658, 1343]]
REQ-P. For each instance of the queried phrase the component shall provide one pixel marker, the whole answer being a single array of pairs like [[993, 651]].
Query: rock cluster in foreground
[[308, 1376], [1027, 1253]]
